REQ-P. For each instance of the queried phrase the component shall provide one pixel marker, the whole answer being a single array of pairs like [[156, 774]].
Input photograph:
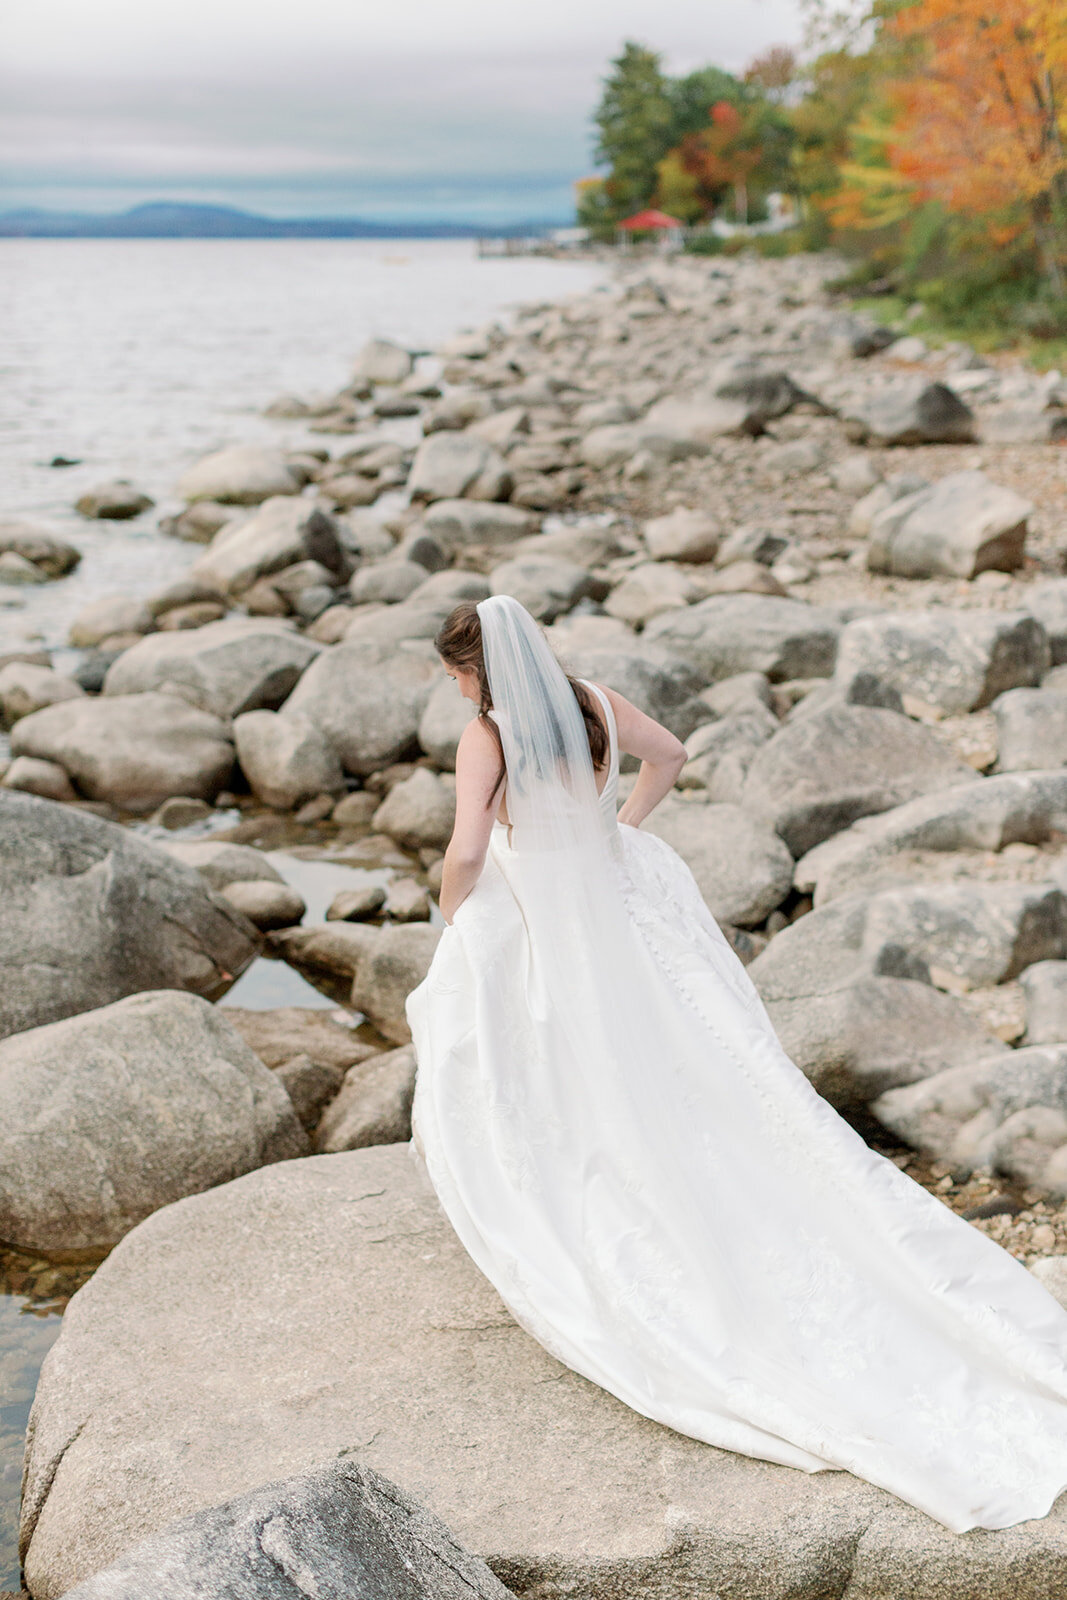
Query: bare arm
[[662, 757], [477, 767]]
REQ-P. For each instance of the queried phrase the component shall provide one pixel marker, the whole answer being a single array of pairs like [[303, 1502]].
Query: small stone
[[267, 905], [355, 810], [407, 901], [355, 905], [180, 811]]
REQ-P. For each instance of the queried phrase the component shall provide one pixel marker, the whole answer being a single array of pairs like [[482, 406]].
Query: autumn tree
[[981, 119]]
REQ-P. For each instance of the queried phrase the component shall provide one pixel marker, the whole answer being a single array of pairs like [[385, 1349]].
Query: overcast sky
[[387, 109]]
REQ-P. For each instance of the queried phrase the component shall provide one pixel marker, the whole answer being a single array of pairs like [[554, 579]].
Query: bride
[[654, 1188]]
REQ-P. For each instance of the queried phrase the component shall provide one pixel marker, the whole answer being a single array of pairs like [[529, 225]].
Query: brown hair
[[459, 642]]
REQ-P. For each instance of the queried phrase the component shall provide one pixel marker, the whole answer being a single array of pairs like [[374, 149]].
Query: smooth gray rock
[[737, 732], [1031, 729], [913, 412], [458, 523], [132, 750], [108, 617], [116, 502], [111, 1114], [816, 775], [220, 862], [25, 687], [54, 556], [286, 757], [726, 634], [1044, 986], [45, 778], [853, 1007], [999, 1114], [962, 525], [388, 581], [650, 588], [450, 466], [267, 540], [1047, 601], [373, 1106], [367, 697], [954, 660], [382, 361], [683, 534], [394, 961], [742, 867], [546, 585], [398, 1356], [983, 933], [891, 488], [279, 1034], [1000, 810], [336, 1530], [93, 912], [241, 664], [241, 474], [443, 720], [418, 811], [267, 905]]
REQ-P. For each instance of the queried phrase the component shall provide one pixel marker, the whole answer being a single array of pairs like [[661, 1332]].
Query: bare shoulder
[[477, 757]]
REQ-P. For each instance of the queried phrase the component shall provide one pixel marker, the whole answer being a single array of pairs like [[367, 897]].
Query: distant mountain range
[[162, 219]]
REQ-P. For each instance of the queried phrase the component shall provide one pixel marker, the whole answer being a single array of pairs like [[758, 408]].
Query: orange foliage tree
[[981, 117], [723, 156]]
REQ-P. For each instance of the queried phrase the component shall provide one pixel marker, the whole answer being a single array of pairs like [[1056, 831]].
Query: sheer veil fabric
[[658, 1194]]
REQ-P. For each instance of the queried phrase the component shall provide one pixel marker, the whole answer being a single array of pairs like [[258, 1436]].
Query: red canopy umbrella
[[644, 221]]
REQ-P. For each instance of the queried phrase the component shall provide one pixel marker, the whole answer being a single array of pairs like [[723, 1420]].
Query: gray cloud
[[482, 113]]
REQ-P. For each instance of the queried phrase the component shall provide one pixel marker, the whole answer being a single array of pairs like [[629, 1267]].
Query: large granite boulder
[[106, 1116], [1025, 807], [241, 474], [382, 361], [852, 1003], [54, 556], [335, 1530], [1031, 729], [395, 1353], [742, 867], [367, 696], [280, 533], [26, 687], [730, 633], [450, 466], [286, 757], [132, 750], [962, 525], [954, 660], [1004, 1114], [816, 775], [93, 912], [915, 411], [241, 664], [443, 720], [455, 524]]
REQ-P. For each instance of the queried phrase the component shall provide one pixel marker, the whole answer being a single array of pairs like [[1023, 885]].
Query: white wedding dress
[[662, 1199]]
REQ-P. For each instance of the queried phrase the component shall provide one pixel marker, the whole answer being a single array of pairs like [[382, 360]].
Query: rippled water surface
[[137, 356]]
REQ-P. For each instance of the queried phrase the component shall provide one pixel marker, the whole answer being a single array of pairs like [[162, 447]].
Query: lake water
[[138, 356]]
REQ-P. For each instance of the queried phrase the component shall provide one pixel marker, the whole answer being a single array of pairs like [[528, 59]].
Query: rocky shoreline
[[832, 561]]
